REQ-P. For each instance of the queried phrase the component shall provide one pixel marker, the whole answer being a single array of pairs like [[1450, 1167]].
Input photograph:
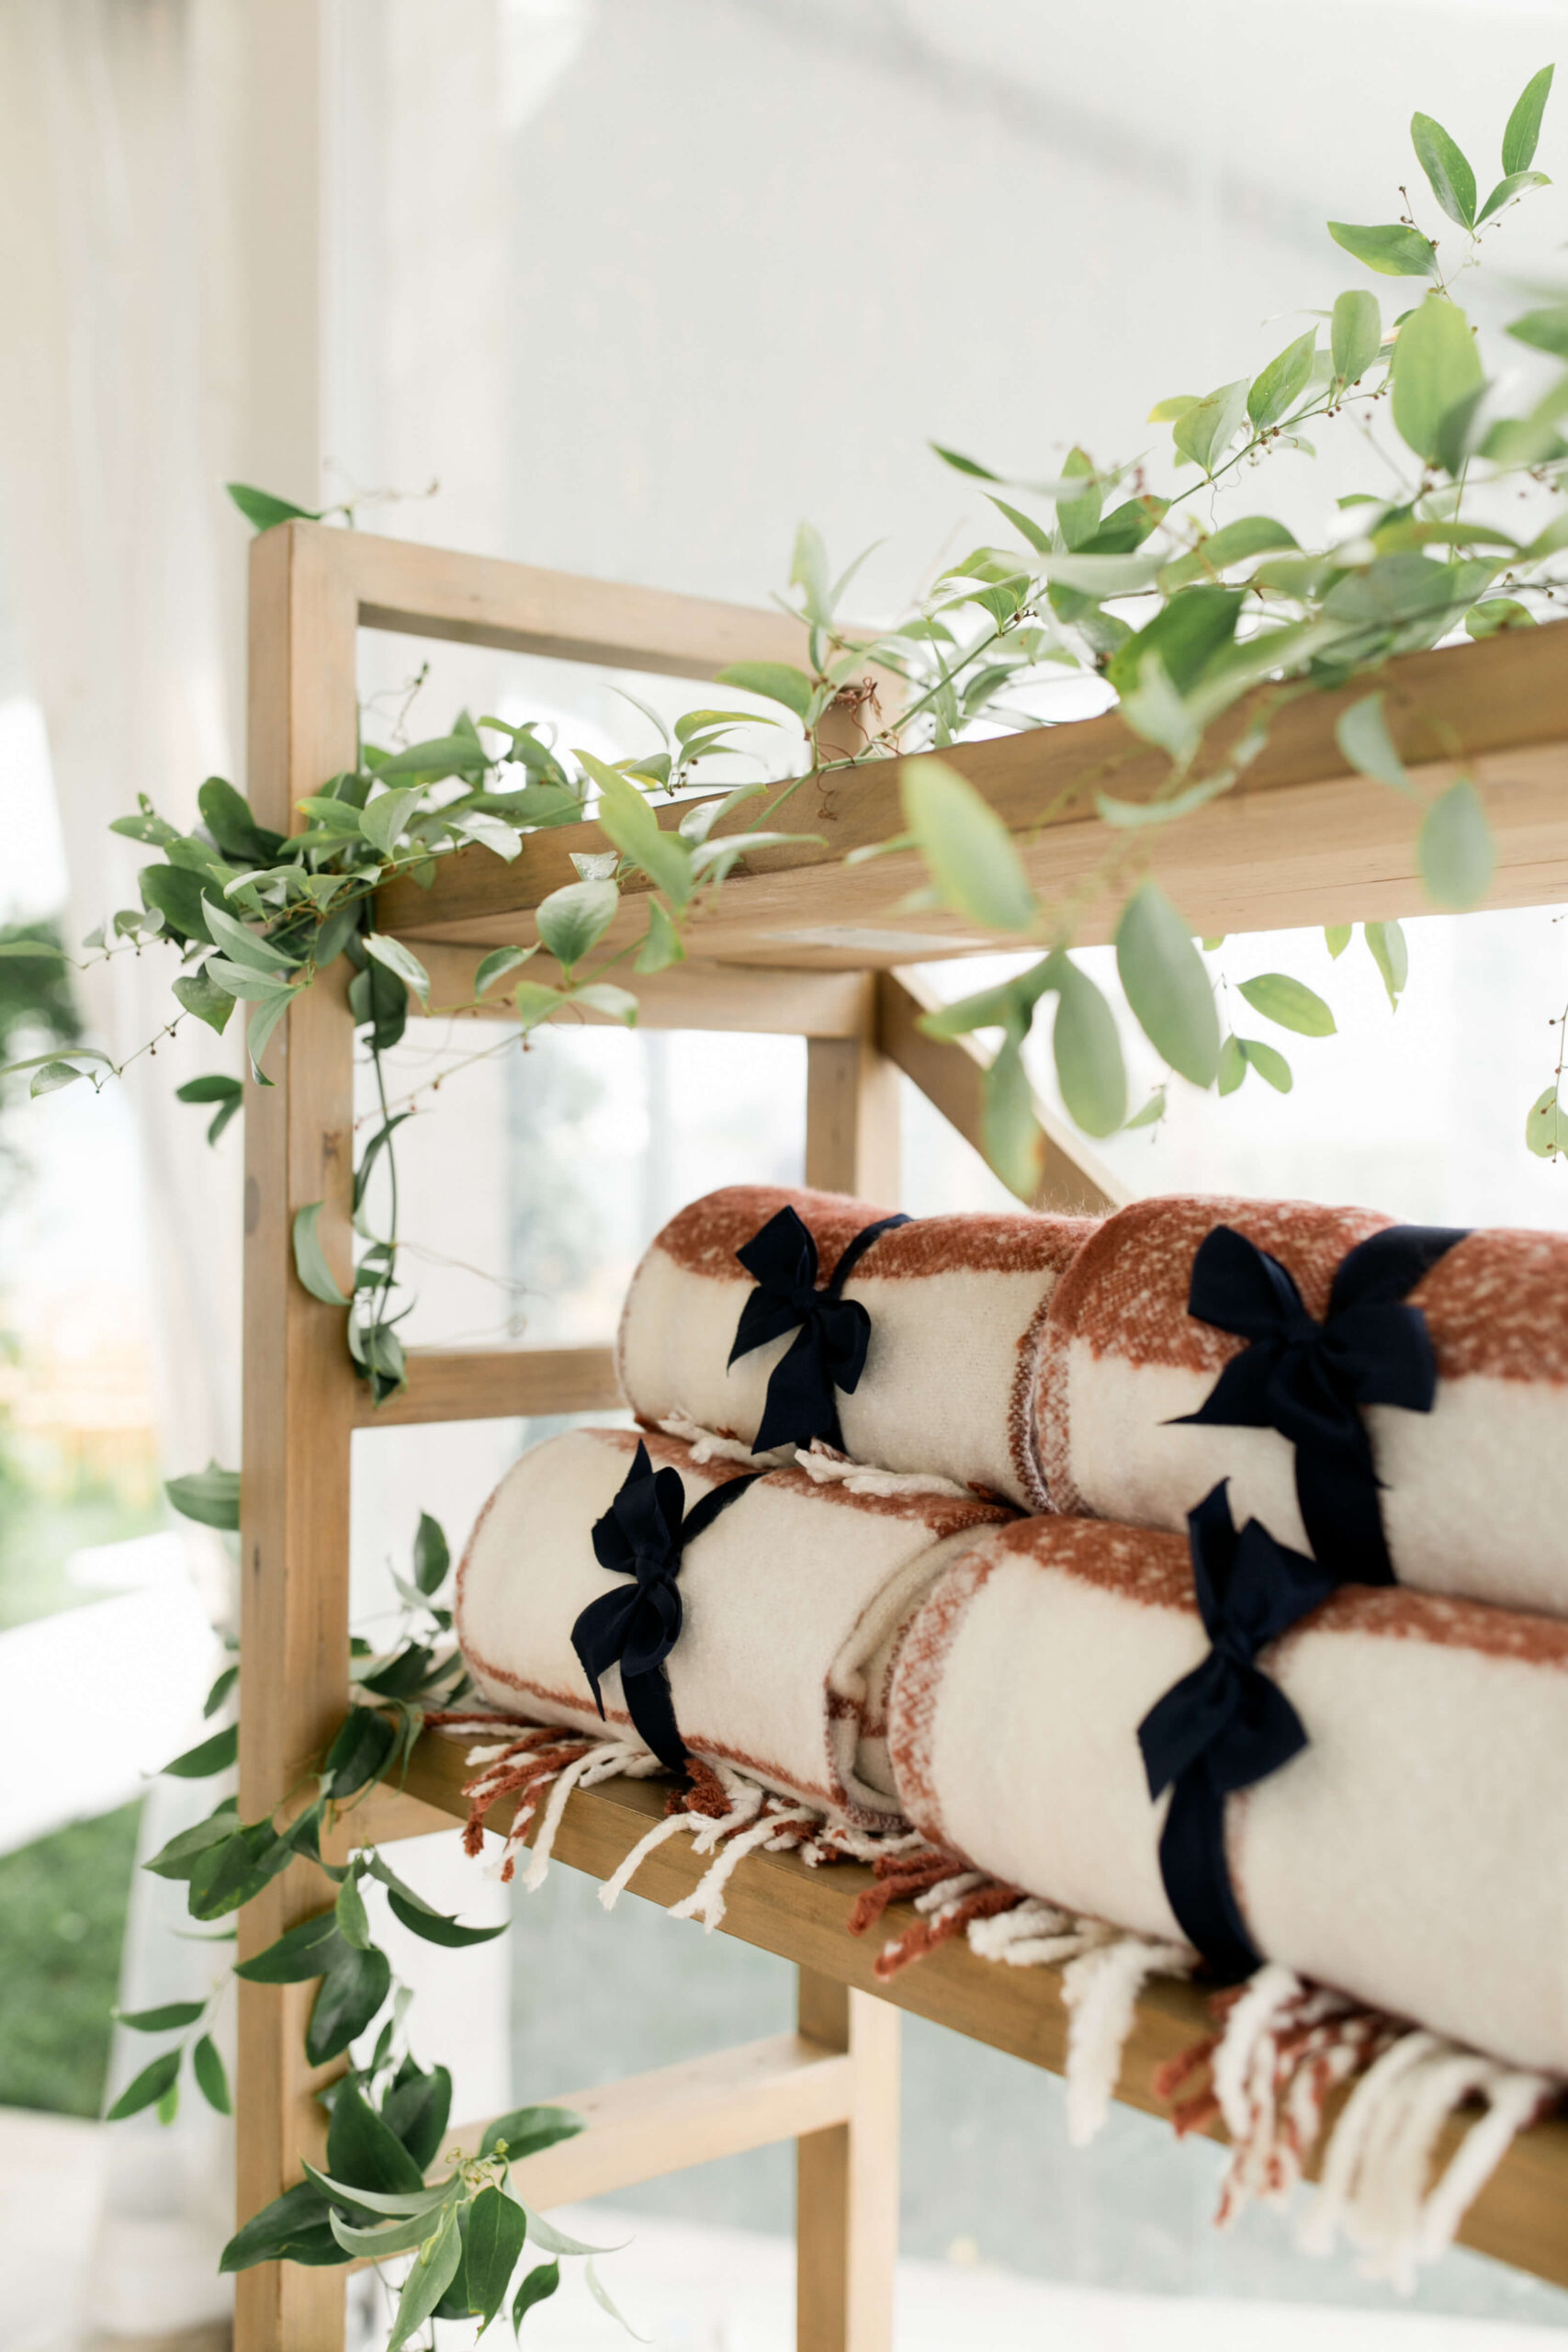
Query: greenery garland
[[1181, 617]]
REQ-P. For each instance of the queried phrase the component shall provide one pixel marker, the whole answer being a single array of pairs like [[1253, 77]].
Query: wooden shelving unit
[[799, 944]]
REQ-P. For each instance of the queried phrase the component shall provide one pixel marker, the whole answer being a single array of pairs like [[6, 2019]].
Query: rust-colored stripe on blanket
[[703, 1238]]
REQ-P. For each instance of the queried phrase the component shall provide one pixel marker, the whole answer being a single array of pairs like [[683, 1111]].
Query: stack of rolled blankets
[[1202, 1569]]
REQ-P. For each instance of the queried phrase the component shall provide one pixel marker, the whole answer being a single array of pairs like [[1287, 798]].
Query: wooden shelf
[[1297, 842], [776, 1903]]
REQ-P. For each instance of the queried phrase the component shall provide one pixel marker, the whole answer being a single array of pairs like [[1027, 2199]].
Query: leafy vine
[[1176, 616]]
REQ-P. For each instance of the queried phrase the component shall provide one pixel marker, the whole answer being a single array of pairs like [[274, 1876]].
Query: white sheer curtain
[[118, 380]]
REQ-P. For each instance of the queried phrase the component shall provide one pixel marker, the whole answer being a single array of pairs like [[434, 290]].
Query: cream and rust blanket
[[794, 1600], [1474, 1493], [1411, 1855], [955, 1304]]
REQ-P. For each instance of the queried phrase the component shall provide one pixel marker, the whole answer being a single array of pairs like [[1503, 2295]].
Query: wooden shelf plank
[[1297, 842], [493, 1385], [751, 998], [776, 1903], [722, 2105]]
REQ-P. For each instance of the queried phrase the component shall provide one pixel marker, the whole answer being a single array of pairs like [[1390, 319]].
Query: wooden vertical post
[[299, 1413], [851, 1111], [846, 2209]]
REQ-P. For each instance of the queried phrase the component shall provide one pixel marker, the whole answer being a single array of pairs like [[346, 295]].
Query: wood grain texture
[[300, 1399], [950, 1073], [852, 1110], [493, 1385], [750, 998], [846, 2180], [721, 2105], [777, 1904], [1297, 842]]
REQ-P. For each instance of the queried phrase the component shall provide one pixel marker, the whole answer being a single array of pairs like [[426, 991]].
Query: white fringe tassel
[[1285, 2046], [1100, 1988]]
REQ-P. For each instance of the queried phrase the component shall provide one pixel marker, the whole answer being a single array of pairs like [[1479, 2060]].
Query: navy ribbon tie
[[1311, 1380], [643, 1536], [832, 1333], [1224, 1725]]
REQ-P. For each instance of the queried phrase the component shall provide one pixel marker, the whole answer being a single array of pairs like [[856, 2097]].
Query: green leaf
[[305, 1952], [400, 960], [177, 896], [1497, 613], [293, 2228], [526, 2130], [211, 1496], [430, 2274], [417, 2108], [630, 824], [1205, 431], [1167, 411], [1079, 517], [381, 820], [1233, 1066], [227, 1092], [1436, 364], [1524, 124], [600, 2293], [359, 1754], [220, 1688], [1452, 181], [152, 2085], [212, 2076], [1037, 537], [363, 2151], [1544, 330], [550, 2240], [1546, 1125], [574, 919], [1507, 190], [244, 946], [1234, 543], [1269, 1062], [353, 1919], [310, 1258], [497, 2228], [1289, 1002], [1087, 1050], [431, 1555], [51, 1075], [400, 2205], [1356, 335], [661, 942], [500, 961], [1361, 733], [1151, 1114], [1456, 848], [1282, 382], [1392, 956], [538, 2287], [960, 464], [1196, 625], [460, 754], [1010, 1130], [602, 996], [214, 1754], [383, 2240], [178, 1859], [263, 1022], [1336, 938], [967, 848], [1393, 249], [350, 1995], [436, 1928], [1167, 986], [774, 681], [204, 998], [260, 508], [170, 2019], [230, 820]]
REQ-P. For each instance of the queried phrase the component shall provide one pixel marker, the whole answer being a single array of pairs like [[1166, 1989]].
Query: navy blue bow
[[832, 1333], [1309, 1379], [1224, 1725], [643, 1535]]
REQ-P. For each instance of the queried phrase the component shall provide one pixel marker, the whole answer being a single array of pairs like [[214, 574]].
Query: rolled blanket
[[954, 1304], [1403, 1845], [1393, 1399], [788, 1607]]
